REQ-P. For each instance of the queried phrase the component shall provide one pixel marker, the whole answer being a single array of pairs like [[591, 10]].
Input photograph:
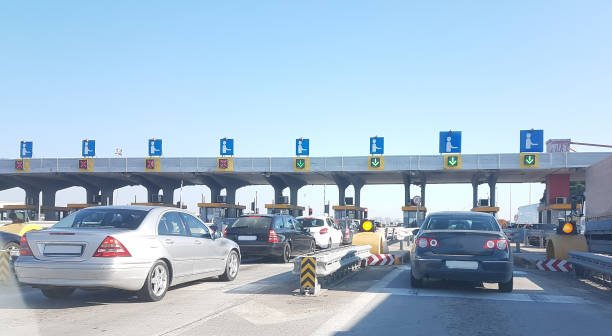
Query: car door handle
[[169, 241]]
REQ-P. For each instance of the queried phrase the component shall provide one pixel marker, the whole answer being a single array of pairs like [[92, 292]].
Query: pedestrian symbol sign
[[302, 147], [377, 145], [530, 160], [376, 163], [450, 142], [301, 164], [452, 161], [532, 141], [226, 147]]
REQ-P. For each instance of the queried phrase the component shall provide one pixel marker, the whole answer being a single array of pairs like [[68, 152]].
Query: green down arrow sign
[[452, 161], [300, 163], [374, 162], [529, 160]]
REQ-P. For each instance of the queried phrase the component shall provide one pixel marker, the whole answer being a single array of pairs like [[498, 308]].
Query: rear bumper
[[488, 270], [128, 276], [275, 250]]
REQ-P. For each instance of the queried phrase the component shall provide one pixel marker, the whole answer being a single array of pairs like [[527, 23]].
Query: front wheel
[[57, 292], [506, 287], [156, 284], [231, 267]]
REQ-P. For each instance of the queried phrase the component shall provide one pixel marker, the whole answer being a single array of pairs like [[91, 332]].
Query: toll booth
[[487, 209], [285, 209], [342, 212], [550, 213], [61, 212], [213, 212], [160, 204], [23, 213], [414, 215]]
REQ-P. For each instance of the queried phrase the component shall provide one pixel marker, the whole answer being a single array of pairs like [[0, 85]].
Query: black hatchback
[[466, 246], [279, 236]]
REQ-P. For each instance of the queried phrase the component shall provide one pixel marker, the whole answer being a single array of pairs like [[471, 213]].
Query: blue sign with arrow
[[377, 145], [226, 147], [155, 147], [450, 142], [88, 148], [302, 147], [26, 149], [532, 141]]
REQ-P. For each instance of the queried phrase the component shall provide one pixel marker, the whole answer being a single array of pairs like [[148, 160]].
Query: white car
[[325, 232]]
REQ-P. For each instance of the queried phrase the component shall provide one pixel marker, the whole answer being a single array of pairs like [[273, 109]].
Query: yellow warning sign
[[308, 277]]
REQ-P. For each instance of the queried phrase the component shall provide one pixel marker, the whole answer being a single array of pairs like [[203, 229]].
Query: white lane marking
[[517, 297], [371, 297]]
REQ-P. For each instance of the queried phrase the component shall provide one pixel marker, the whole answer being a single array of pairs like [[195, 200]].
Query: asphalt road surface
[[263, 301]]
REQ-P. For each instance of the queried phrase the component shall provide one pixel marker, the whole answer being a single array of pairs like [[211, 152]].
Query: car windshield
[[253, 222], [92, 218], [460, 222], [311, 222]]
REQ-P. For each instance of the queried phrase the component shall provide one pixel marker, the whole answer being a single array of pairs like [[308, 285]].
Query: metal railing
[[592, 265]]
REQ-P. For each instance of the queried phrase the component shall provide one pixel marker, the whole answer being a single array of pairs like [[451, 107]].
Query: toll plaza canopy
[[428, 169]]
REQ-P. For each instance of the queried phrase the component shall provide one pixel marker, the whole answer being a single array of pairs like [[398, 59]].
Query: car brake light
[[323, 231], [225, 232], [500, 244], [110, 248], [273, 237], [427, 242], [24, 247]]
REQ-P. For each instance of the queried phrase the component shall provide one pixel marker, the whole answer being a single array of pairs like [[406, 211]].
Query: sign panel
[[301, 164], [22, 165], [377, 145], [155, 147], [376, 163], [452, 161], [558, 145], [86, 165], [26, 149], [88, 148], [302, 147], [152, 164], [532, 141], [450, 142], [226, 147], [225, 164], [530, 160]]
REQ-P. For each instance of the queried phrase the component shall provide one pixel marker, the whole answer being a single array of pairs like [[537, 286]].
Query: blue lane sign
[[226, 146], [26, 149], [450, 142], [88, 148], [532, 141], [155, 147], [302, 147], [377, 145]]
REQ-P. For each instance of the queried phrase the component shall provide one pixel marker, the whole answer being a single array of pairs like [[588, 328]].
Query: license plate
[[457, 264], [53, 249], [251, 238]]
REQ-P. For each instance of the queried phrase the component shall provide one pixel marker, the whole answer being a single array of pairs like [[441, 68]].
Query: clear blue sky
[[267, 72]]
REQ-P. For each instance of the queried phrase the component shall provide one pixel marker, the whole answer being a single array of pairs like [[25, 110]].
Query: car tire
[[56, 293], [506, 287], [156, 284], [286, 254], [313, 247], [414, 282], [231, 266], [11, 246]]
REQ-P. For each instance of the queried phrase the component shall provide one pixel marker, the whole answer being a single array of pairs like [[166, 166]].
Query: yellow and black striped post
[[5, 271], [308, 275]]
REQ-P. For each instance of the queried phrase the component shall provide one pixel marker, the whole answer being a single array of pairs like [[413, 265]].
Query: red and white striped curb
[[554, 265], [380, 260]]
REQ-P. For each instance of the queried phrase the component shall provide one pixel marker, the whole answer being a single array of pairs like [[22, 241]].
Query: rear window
[[461, 222], [311, 222], [253, 222], [103, 219]]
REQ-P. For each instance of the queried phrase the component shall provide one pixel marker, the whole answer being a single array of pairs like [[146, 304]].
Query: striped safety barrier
[[382, 260], [308, 275], [5, 270], [554, 265]]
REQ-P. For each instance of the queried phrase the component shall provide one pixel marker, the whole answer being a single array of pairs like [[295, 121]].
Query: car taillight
[[500, 244], [110, 248], [225, 232], [427, 242], [273, 237], [24, 247], [323, 231]]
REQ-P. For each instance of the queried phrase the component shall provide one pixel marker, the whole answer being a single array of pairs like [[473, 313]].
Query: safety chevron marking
[[382, 260], [554, 265], [308, 278], [5, 272]]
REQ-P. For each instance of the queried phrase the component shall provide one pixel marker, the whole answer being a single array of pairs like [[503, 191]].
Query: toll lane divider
[[554, 265], [384, 260], [5, 268], [316, 268]]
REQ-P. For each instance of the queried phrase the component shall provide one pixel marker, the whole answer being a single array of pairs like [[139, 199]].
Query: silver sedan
[[134, 248]]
